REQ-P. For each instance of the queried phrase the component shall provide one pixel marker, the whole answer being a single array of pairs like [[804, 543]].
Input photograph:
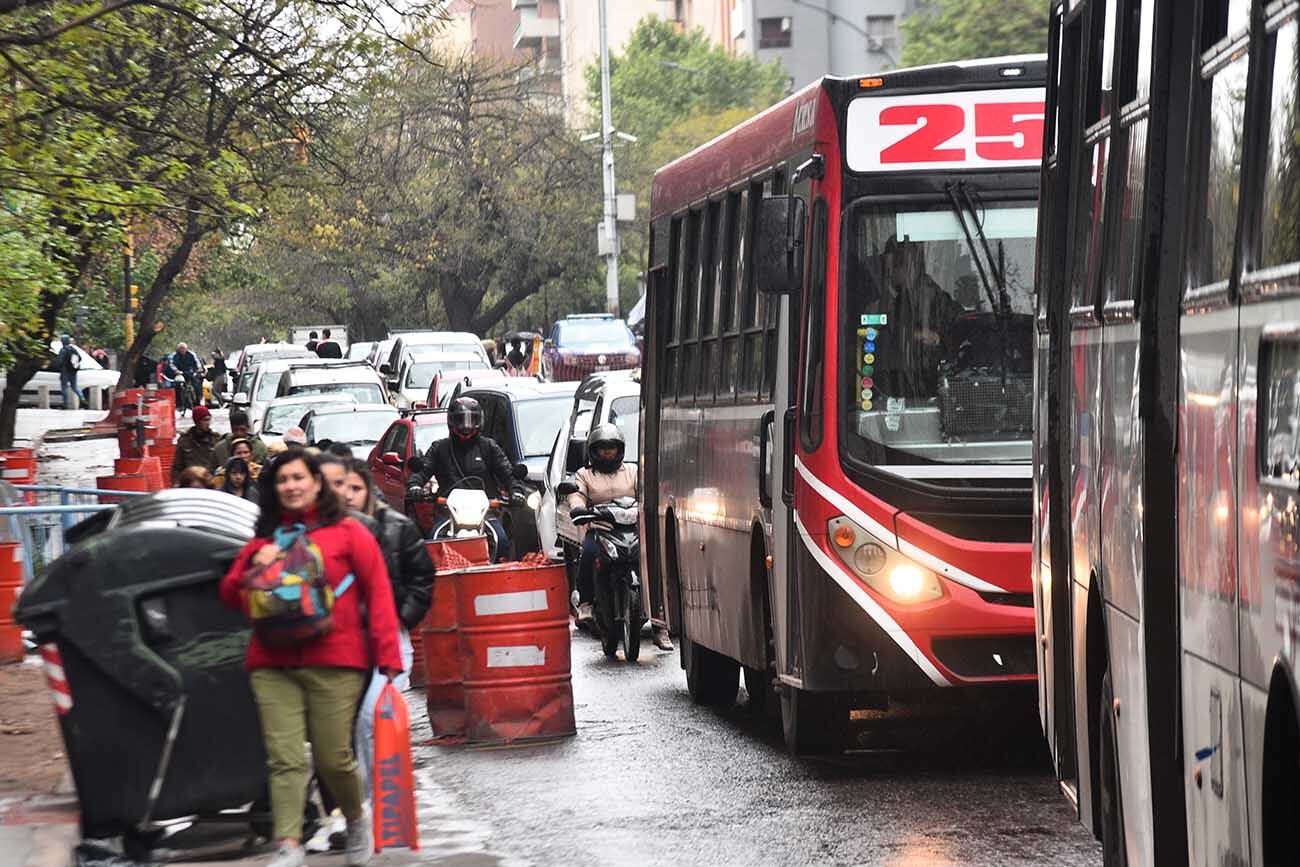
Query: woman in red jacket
[[309, 692]]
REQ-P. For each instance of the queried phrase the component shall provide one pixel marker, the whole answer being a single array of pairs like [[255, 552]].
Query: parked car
[[379, 352], [258, 386], [588, 343], [445, 386], [256, 353], [283, 413], [601, 397], [91, 375], [360, 350], [359, 426], [421, 365], [446, 341], [390, 460], [334, 377], [524, 416]]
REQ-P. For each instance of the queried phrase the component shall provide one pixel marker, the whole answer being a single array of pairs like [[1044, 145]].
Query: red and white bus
[[837, 393]]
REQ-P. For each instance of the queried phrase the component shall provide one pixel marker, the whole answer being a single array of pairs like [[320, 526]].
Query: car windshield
[[936, 333], [539, 420], [590, 332], [421, 374], [280, 418], [626, 413], [363, 392], [353, 428], [428, 434]]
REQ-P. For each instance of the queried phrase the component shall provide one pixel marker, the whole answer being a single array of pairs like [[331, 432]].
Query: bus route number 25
[[954, 130]]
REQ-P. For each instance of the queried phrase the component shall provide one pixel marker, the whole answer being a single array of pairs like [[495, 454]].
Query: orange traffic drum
[[439, 656], [514, 649], [125, 482], [11, 585], [150, 467]]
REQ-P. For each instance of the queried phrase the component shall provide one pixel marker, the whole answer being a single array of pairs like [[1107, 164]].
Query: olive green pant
[[308, 704]]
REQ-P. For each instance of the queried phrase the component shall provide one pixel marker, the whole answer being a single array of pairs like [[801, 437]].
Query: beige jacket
[[595, 488]]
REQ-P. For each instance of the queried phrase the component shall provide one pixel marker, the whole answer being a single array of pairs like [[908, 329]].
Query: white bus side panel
[[1217, 831]]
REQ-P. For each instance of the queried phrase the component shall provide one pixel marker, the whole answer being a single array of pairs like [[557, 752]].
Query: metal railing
[[39, 516]]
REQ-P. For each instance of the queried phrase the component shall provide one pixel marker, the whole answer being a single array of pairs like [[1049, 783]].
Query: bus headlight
[[881, 566]]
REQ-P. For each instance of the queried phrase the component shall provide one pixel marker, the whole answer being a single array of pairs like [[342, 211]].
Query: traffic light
[[135, 297]]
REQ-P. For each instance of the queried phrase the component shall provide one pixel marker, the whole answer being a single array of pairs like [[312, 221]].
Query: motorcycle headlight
[[624, 515], [610, 548]]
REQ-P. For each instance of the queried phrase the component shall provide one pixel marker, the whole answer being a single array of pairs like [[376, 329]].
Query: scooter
[[619, 610]]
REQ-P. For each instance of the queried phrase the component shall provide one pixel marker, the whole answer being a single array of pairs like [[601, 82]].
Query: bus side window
[[671, 335], [1279, 412], [1279, 231], [750, 322], [732, 272], [1217, 122], [814, 374], [710, 249], [690, 369], [1093, 171]]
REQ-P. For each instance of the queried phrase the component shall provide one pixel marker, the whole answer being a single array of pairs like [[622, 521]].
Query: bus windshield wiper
[[959, 212], [998, 266]]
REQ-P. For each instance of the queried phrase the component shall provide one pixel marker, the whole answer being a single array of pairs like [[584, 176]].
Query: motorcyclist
[[605, 478], [469, 456]]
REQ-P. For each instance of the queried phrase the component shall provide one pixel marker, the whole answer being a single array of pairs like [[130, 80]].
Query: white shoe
[[288, 856], [361, 844]]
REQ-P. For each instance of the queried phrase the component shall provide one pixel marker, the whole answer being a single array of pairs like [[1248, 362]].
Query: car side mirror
[[778, 249], [392, 459], [240, 399], [566, 488], [385, 368], [520, 472]]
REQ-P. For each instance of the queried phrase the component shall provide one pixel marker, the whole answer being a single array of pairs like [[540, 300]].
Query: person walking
[[219, 373], [239, 430], [309, 691], [68, 363], [196, 445], [411, 572], [237, 479], [328, 347]]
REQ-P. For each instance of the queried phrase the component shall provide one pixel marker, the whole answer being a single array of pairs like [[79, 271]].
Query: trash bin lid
[[210, 511]]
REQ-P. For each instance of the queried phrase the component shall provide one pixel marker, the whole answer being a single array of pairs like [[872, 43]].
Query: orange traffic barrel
[[129, 444], [439, 655], [165, 451], [514, 648], [125, 482], [458, 553], [18, 467], [150, 467], [11, 584]]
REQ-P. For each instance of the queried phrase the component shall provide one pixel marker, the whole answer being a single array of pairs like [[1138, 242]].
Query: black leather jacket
[[449, 460], [409, 568]]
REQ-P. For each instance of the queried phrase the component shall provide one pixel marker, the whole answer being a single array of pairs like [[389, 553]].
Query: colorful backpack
[[289, 601]]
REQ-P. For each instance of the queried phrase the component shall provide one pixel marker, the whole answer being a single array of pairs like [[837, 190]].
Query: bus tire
[[711, 678], [809, 722], [1113, 851], [1280, 793]]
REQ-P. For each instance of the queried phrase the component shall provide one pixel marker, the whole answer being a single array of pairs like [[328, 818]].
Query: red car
[[390, 460], [587, 343]]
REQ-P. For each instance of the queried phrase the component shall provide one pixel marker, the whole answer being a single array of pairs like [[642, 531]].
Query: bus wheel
[[711, 678], [1114, 853], [810, 722]]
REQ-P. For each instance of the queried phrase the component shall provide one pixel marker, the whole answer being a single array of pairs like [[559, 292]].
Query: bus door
[[782, 241]]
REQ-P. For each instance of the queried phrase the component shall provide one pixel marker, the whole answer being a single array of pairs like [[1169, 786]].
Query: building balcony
[[533, 29]]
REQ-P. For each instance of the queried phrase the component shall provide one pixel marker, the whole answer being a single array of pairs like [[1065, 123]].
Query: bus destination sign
[[979, 129]]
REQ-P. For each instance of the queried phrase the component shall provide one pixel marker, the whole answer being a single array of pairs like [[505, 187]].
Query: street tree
[[947, 30]]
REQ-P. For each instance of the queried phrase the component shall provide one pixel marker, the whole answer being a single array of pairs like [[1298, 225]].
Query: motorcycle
[[467, 515], [619, 609]]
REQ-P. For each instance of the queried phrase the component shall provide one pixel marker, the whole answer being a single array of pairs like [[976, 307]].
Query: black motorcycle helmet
[[604, 436], [465, 418]]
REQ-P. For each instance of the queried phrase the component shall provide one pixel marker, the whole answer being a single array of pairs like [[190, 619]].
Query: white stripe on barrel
[[521, 602], [55, 678], [522, 656]]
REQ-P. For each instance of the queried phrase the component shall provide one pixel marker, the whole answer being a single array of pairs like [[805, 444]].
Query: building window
[[774, 32], [882, 32]]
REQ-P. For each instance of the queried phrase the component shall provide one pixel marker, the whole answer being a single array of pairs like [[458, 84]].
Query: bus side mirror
[[778, 250]]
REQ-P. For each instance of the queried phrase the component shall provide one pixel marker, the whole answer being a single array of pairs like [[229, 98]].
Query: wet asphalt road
[[653, 779]]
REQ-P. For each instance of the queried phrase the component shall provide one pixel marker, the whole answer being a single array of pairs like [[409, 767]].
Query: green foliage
[[948, 30]]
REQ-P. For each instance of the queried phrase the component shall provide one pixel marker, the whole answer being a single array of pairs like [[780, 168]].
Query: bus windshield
[[937, 331]]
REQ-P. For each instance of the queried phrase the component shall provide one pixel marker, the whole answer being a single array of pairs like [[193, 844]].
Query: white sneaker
[[360, 843], [288, 856]]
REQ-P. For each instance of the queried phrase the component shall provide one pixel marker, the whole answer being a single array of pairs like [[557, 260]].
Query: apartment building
[[813, 38]]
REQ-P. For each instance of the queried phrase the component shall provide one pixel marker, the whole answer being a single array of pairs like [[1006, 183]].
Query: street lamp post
[[607, 146]]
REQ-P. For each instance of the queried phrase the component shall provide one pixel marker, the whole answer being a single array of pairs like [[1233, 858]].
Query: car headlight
[[881, 566]]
